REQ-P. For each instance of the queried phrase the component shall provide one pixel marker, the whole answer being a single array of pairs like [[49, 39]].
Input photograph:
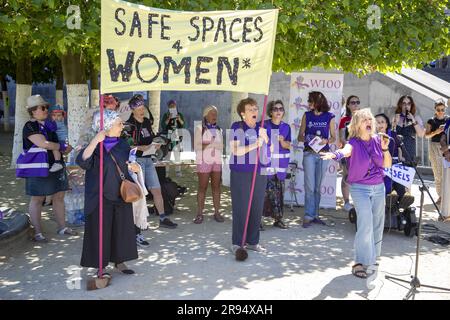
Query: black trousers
[[240, 184], [119, 236]]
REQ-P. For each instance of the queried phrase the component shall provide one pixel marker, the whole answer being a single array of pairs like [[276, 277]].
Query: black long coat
[[119, 236]]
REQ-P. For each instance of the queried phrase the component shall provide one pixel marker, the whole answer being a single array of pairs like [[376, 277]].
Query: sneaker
[[56, 167], [141, 242], [166, 223], [348, 206], [256, 247], [307, 223], [318, 221]]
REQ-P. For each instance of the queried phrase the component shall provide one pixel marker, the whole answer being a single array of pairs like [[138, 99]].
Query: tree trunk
[[23, 91], [235, 98], [95, 92], [154, 100], [59, 87], [5, 97], [77, 95]]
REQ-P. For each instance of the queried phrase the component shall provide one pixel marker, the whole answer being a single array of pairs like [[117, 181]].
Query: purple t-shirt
[[365, 165], [241, 132], [317, 125], [279, 159]]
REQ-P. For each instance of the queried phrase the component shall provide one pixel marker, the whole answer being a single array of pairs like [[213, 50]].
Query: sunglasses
[[355, 102], [43, 108], [281, 109]]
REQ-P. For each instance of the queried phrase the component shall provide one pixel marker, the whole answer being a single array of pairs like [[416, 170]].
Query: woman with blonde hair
[[208, 144], [367, 155]]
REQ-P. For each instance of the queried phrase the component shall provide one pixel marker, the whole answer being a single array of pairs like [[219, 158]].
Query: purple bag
[[32, 163]]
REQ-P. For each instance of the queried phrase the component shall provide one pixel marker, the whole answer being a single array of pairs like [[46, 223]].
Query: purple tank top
[[318, 125]]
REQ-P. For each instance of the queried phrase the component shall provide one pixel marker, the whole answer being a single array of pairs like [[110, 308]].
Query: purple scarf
[[110, 142]]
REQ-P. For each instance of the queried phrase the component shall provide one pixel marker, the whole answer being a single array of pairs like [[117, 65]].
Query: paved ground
[[193, 261]]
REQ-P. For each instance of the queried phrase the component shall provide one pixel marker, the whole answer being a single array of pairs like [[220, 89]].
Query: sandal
[[218, 218], [122, 267], [67, 231], [280, 224], [359, 271], [198, 219], [39, 237]]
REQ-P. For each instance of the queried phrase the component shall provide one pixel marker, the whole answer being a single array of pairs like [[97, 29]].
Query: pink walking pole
[[100, 199], [249, 207]]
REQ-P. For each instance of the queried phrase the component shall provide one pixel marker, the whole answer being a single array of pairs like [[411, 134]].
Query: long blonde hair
[[355, 124]]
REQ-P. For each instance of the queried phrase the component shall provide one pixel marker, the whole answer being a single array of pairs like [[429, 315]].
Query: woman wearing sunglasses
[[280, 131], [317, 128], [434, 131]]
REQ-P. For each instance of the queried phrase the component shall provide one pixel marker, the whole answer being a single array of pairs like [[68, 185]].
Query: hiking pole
[[241, 253], [100, 282]]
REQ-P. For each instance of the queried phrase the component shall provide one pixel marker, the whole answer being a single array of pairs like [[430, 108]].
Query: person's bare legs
[[203, 180], [158, 199], [59, 209], [215, 186], [35, 209]]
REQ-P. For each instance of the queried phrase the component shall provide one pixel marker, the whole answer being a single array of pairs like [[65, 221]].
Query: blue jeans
[[314, 169], [369, 202], [149, 172]]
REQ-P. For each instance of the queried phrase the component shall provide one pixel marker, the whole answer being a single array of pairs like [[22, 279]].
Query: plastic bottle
[[132, 156]]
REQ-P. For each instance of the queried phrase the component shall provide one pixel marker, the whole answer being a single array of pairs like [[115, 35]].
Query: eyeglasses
[[440, 110], [406, 103], [281, 109], [355, 102]]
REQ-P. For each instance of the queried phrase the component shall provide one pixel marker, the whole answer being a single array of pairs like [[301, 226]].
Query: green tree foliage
[[328, 34]]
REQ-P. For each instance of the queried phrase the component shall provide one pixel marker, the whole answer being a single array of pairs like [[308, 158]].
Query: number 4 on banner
[[177, 46]]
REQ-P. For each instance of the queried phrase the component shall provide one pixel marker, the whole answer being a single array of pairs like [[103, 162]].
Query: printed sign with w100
[[145, 48]]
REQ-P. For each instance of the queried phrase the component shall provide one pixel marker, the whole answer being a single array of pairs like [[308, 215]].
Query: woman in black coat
[[119, 238]]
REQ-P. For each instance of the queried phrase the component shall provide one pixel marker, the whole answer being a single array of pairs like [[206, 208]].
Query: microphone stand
[[415, 282]]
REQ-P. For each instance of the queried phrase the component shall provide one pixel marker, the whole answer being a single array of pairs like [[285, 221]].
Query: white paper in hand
[[151, 150], [315, 144], [173, 113]]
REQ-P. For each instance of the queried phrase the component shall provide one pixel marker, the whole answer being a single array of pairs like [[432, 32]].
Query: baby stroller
[[399, 215]]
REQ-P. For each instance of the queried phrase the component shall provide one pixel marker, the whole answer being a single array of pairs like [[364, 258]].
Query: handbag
[[129, 191]]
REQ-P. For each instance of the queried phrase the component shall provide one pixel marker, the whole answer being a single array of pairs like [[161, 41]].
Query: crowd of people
[[260, 153]]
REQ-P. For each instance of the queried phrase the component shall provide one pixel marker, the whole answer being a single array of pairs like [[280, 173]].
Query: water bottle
[[132, 156]]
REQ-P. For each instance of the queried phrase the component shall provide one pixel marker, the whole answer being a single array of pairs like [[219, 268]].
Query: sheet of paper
[[315, 144], [173, 112], [151, 150]]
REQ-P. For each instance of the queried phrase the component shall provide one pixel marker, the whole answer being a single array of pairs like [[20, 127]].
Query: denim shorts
[[149, 172], [46, 186]]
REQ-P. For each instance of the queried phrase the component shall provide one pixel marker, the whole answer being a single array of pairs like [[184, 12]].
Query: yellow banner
[[145, 48]]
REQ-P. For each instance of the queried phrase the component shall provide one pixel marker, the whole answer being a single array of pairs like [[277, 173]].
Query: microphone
[[384, 136]]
